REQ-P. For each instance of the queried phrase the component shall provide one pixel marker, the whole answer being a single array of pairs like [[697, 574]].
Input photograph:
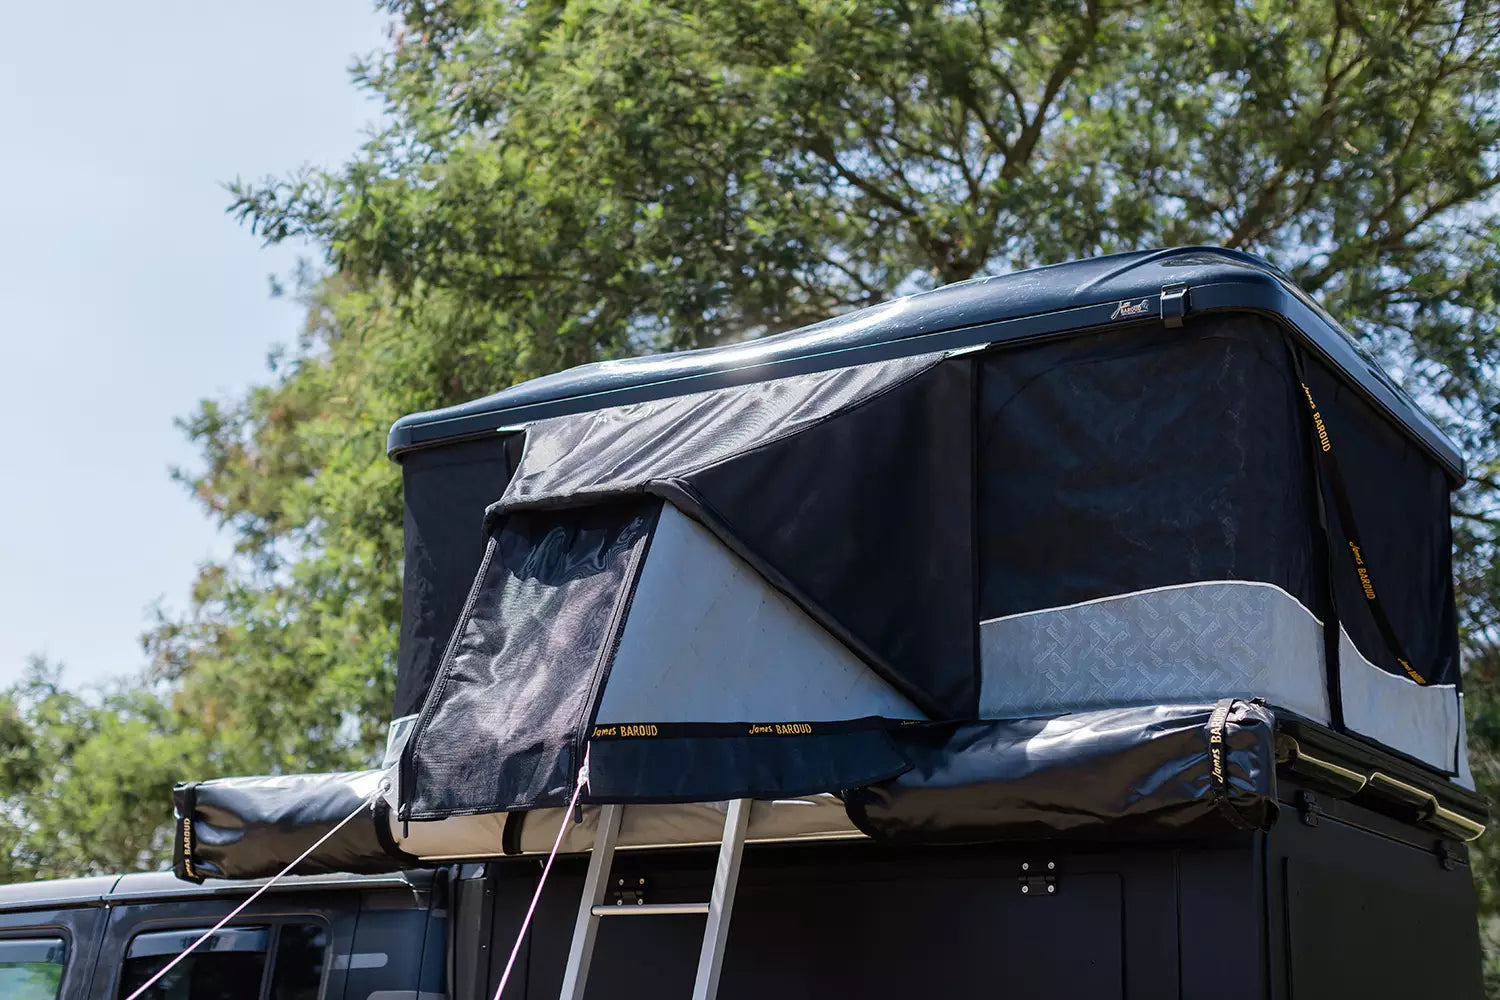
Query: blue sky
[[127, 294]]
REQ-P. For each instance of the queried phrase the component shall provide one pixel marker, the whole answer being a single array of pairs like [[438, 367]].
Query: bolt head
[[1025, 889], [1026, 866], [1051, 865], [1051, 888]]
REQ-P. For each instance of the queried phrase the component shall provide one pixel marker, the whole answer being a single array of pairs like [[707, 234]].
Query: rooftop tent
[[938, 557]]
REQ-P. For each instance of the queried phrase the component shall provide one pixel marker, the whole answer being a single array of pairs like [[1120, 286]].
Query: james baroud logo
[[1128, 308]]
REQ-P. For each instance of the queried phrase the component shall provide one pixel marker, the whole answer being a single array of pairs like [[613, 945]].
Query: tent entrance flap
[[782, 568], [632, 626], [502, 727]]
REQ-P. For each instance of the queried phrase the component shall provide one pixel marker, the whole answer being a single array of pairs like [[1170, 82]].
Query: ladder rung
[[648, 909]]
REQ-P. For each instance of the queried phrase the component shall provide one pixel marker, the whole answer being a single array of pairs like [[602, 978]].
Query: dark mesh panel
[[1114, 464], [503, 725], [1399, 500]]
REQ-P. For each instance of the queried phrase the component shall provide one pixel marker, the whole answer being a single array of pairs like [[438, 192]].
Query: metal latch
[[1174, 305], [1307, 805], [1038, 879], [1448, 855]]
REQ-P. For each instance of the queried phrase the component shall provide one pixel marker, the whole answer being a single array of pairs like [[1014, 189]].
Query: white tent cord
[[583, 779], [370, 801]]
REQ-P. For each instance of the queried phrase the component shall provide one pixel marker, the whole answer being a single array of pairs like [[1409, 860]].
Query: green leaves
[[81, 777]]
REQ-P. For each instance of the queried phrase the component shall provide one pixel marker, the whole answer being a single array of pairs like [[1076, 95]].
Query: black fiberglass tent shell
[[1050, 530]]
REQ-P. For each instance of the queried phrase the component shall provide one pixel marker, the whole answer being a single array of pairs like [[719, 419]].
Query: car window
[[299, 962], [231, 965], [31, 968]]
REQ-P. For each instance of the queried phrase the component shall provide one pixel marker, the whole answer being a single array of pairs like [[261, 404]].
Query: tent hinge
[[1174, 305], [1309, 808], [628, 891], [1038, 879]]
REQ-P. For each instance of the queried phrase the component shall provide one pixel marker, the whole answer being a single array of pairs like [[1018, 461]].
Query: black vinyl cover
[[1154, 771], [254, 827], [850, 490]]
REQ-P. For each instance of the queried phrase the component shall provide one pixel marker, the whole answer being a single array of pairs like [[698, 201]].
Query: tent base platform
[[642, 827], [1334, 900]]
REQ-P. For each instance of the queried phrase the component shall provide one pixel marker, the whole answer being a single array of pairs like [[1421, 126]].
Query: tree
[[81, 777]]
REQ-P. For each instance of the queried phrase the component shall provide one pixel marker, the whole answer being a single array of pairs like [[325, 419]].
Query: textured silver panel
[[1195, 641], [709, 640], [1424, 722]]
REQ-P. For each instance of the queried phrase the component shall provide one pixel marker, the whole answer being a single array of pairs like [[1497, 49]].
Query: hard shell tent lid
[[1040, 302], [1089, 486]]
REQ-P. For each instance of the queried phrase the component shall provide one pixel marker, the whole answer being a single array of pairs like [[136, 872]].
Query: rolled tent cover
[[1118, 773], [254, 827]]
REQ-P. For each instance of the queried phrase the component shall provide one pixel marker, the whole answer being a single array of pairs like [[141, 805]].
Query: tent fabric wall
[[1400, 502], [1425, 722], [1113, 464], [446, 491], [709, 640], [828, 500], [1389, 550]]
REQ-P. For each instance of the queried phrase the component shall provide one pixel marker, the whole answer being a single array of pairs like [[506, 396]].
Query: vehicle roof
[[1043, 301], [96, 890]]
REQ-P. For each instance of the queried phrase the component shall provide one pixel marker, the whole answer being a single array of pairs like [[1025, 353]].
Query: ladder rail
[[595, 884], [721, 905]]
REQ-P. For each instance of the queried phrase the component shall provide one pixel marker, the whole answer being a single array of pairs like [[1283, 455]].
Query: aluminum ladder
[[591, 907]]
